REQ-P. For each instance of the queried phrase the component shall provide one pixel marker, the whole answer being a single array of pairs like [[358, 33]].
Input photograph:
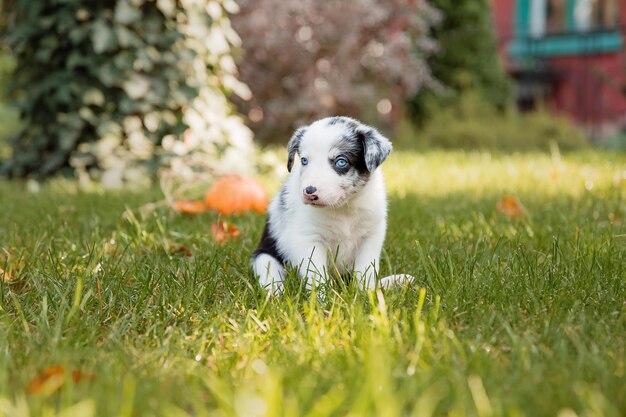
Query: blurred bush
[[9, 117], [311, 58], [474, 123], [113, 90], [466, 60], [616, 142]]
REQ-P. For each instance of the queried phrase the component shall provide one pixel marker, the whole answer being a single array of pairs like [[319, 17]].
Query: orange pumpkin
[[190, 206], [234, 194]]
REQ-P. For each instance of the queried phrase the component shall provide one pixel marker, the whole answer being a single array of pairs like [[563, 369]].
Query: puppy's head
[[337, 156]]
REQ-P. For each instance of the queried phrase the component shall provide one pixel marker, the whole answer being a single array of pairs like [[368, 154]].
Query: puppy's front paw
[[270, 273], [395, 280]]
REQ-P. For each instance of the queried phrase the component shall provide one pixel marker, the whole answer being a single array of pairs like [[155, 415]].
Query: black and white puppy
[[331, 213]]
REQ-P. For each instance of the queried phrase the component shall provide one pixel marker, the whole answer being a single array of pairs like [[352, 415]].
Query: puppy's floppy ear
[[293, 146], [376, 147]]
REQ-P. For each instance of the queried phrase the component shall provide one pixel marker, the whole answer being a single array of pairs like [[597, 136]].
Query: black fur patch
[[268, 245], [376, 147], [293, 146]]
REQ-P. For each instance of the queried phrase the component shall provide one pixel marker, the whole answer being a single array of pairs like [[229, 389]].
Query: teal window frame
[[570, 43]]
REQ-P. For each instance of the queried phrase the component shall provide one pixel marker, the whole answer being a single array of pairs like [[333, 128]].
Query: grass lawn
[[508, 316]]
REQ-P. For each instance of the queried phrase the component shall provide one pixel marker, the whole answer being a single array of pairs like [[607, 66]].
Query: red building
[[569, 54]]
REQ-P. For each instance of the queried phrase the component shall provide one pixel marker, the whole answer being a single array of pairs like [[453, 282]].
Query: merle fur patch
[[376, 147], [348, 122], [351, 148], [282, 198]]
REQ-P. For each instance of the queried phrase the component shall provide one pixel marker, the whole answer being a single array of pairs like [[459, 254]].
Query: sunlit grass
[[508, 317]]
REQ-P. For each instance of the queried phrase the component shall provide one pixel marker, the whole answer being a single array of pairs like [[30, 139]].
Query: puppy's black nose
[[310, 190]]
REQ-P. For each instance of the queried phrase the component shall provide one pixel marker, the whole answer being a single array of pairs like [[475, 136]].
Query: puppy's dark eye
[[341, 163], [304, 161]]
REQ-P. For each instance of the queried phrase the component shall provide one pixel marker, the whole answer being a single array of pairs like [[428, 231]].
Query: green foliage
[[466, 60], [520, 317], [9, 117], [7, 66], [102, 84], [472, 123]]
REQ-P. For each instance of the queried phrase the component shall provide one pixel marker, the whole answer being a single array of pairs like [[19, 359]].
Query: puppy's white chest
[[342, 237]]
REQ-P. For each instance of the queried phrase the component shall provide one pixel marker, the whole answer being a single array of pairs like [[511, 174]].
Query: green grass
[[507, 317]]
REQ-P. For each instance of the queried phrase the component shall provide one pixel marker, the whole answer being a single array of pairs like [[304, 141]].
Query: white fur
[[270, 272], [342, 233]]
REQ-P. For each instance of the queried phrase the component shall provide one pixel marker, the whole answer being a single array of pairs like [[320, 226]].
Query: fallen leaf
[[11, 268], [511, 207], [78, 376], [223, 231], [5, 275], [52, 379], [49, 380], [190, 206], [177, 249]]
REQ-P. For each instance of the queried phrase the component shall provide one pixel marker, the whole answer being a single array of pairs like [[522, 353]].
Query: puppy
[[331, 213]]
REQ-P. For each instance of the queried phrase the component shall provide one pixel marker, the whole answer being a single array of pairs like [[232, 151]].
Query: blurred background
[[129, 91]]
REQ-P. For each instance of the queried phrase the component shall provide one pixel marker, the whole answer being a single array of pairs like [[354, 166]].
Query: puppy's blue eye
[[304, 161], [341, 163]]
